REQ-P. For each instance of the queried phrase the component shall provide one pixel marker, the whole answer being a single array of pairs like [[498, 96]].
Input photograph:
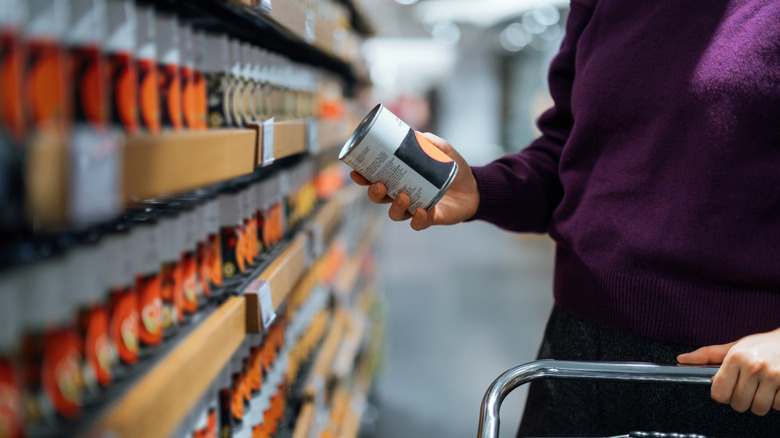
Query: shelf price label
[[259, 306], [268, 142], [95, 171], [312, 144]]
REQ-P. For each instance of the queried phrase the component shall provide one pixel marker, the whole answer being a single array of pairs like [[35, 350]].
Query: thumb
[[713, 354]]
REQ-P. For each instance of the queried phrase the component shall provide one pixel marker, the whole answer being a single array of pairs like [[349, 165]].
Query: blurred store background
[[470, 301]]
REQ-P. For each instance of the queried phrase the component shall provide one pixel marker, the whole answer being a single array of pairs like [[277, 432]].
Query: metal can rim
[[361, 131]]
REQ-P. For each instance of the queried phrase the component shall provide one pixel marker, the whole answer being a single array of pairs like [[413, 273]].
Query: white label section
[[268, 142], [312, 139], [263, 290], [376, 165]]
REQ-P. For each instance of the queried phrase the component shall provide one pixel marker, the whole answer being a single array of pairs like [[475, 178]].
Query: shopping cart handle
[[557, 369]]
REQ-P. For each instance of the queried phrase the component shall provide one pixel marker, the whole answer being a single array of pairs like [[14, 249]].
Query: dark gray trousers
[[598, 409]]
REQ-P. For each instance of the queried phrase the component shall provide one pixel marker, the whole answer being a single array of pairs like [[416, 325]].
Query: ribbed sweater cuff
[[495, 201]]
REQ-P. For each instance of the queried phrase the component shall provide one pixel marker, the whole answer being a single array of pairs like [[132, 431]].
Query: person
[[657, 174]]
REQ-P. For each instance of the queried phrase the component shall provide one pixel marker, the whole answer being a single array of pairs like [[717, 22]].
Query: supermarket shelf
[[176, 162], [318, 376], [238, 21], [286, 272], [332, 134], [168, 392]]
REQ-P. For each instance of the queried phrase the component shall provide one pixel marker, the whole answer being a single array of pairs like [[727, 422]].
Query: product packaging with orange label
[[89, 69], [146, 62], [233, 261], [235, 87], [46, 73], [120, 49], [213, 242], [385, 149], [188, 242], [216, 68], [12, 415], [170, 270], [169, 79], [85, 287], [13, 115], [52, 355], [122, 299], [199, 79], [189, 108], [146, 239]]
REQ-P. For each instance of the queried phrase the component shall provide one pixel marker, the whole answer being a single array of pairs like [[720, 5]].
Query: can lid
[[88, 22], [199, 219], [14, 13], [147, 31], [167, 27], [10, 320], [122, 27], [146, 248], [111, 250], [48, 19], [186, 43], [216, 53]]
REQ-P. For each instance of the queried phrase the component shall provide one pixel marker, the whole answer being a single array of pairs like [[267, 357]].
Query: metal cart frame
[[554, 369]]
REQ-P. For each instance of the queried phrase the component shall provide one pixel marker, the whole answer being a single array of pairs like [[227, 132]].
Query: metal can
[[385, 149]]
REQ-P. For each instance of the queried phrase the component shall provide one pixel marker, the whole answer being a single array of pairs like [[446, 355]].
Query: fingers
[[725, 380], [358, 178], [776, 404], [398, 209], [744, 392], [377, 193], [764, 398], [705, 355], [422, 219]]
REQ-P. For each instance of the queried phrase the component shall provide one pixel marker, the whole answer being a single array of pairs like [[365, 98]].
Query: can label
[[214, 253], [218, 100], [12, 115], [148, 95], [236, 101], [200, 99], [99, 358], [124, 87], [45, 83], [170, 95], [385, 149], [11, 401], [188, 99], [123, 326], [170, 283], [61, 376], [189, 282], [150, 310], [89, 75]]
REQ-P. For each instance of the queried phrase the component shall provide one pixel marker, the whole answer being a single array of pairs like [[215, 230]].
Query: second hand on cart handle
[[555, 369]]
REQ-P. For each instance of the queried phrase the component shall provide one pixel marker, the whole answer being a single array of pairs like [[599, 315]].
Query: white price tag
[[263, 290], [94, 175], [317, 244], [268, 142], [264, 7], [309, 35], [312, 143]]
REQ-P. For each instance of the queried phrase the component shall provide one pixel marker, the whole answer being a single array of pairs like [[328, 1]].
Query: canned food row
[[112, 62], [73, 324]]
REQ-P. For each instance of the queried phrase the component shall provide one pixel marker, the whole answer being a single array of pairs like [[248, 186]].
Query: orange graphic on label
[[61, 372], [124, 85], [190, 283], [11, 414], [150, 309], [97, 349], [45, 86], [431, 150], [148, 95], [12, 116]]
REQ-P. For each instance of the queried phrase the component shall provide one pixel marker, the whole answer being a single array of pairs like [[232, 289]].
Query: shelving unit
[[164, 389]]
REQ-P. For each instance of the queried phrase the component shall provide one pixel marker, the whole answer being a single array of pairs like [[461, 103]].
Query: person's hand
[[749, 377], [458, 204]]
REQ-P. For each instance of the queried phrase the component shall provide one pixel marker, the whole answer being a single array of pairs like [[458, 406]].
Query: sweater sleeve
[[519, 191]]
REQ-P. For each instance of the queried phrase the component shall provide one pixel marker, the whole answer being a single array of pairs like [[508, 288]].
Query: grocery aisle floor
[[465, 303]]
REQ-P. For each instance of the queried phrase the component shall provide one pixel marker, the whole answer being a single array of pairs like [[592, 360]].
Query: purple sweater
[[658, 170]]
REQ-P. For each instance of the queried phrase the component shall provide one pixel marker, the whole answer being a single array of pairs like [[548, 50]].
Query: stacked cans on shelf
[[96, 304]]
